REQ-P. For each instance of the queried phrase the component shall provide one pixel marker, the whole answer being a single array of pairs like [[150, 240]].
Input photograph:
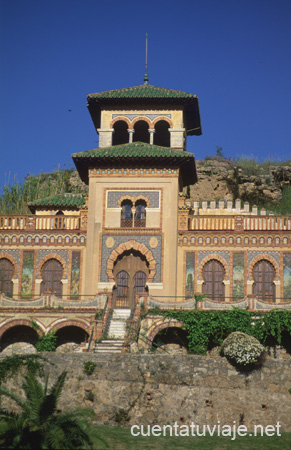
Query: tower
[[134, 178]]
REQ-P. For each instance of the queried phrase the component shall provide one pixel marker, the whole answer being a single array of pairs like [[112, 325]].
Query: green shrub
[[89, 367], [47, 342], [242, 349]]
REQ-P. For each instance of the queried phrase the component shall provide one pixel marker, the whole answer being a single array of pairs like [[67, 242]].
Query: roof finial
[[146, 77]]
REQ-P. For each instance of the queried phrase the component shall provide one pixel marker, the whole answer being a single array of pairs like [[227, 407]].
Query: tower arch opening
[[141, 132], [162, 134], [120, 134]]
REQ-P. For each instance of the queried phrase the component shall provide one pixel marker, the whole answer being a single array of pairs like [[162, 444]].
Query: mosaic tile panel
[[222, 254], [113, 197], [119, 239], [274, 255], [190, 265], [238, 275], [27, 274], [75, 275], [287, 276]]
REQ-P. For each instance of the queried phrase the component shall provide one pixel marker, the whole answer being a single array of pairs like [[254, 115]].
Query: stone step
[[109, 346]]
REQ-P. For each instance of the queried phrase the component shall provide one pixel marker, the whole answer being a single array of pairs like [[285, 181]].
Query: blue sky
[[233, 54]]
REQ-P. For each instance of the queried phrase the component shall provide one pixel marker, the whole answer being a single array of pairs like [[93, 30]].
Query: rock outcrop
[[219, 178]]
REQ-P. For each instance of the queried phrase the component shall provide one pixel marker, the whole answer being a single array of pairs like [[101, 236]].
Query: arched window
[[139, 281], [6, 274], [52, 272], [264, 275], [60, 220], [122, 281], [213, 276], [120, 134], [162, 134], [126, 214], [141, 132], [140, 213]]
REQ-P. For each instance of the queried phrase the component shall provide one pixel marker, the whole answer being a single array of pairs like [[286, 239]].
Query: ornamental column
[[130, 132], [152, 132]]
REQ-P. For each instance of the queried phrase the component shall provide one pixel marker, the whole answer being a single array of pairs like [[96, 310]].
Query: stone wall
[[160, 389]]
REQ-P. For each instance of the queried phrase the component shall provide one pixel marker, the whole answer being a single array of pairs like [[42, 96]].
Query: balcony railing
[[238, 223], [32, 223]]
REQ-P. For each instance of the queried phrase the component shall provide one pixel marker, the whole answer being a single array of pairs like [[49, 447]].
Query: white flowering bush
[[242, 350]]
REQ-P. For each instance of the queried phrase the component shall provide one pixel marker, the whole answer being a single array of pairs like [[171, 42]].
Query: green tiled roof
[[59, 201], [134, 150], [142, 91], [148, 97], [136, 154]]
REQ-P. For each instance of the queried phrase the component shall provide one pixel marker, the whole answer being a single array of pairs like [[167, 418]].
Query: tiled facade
[[177, 240]]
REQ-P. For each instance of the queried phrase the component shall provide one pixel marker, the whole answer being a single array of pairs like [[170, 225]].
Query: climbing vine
[[11, 365], [206, 329]]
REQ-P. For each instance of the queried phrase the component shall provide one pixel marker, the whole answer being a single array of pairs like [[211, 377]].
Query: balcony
[[30, 222]]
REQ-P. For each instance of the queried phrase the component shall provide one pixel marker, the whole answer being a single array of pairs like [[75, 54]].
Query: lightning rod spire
[[146, 77]]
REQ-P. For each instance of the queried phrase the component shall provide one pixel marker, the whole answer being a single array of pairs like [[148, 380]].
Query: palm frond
[[13, 396], [34, 394], [50, 401]]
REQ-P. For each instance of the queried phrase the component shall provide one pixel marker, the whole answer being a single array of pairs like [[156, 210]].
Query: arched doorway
[[130, 273], [52, 272], [18, 334], [71, 334], [213, 276], [264, 275], [6, 275]]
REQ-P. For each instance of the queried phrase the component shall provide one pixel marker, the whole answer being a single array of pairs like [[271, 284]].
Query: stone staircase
[[109, 346], [116, 332]]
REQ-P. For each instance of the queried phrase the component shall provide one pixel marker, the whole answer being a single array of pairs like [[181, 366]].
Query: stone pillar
[[105, 136], [15, 287], [199, 286], [227, 290], [177, 137], [278, 291], [152, 132], [65, 288], [37, 286], [130, 132], [250, 287]]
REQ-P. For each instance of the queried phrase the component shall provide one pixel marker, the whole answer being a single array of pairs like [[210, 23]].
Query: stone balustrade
[[42, 222]]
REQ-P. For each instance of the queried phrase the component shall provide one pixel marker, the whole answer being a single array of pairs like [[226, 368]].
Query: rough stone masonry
[[159, 389]]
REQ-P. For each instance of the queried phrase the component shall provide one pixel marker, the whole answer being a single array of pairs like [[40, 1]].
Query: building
[[136, 234]]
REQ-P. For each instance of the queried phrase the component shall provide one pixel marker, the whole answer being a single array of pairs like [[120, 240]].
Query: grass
[[119, 438]]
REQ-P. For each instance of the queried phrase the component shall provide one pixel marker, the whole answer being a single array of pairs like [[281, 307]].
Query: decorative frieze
[[151, 117]]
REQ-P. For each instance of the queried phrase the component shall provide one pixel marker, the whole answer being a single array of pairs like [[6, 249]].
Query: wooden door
[[52, 273], [139, 282], [6, 274], [213, 276], [264, 275], [130, 273], [122, 281]]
